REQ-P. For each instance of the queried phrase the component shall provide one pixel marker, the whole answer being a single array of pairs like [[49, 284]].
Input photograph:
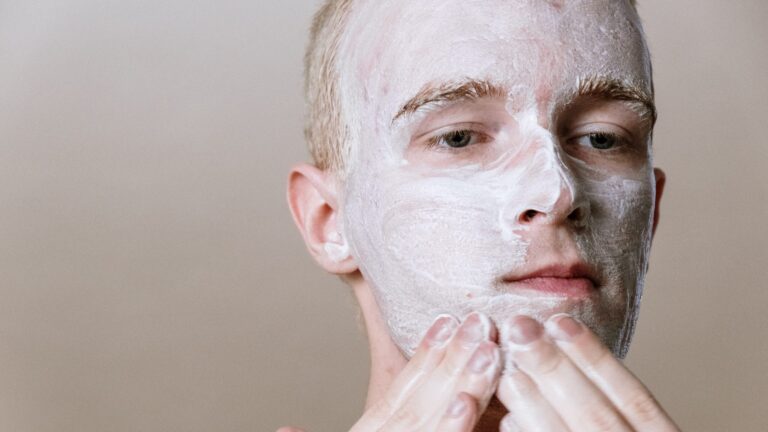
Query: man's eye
[[455, 139], [599, 140]]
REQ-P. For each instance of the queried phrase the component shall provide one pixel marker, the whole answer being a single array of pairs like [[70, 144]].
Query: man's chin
[[608, 322]]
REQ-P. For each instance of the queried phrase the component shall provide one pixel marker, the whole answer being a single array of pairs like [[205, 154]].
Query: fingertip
[[461, 415], [486, 325], [505, 391], [463, 406], [509, 323], [563, 327], [508, 424], [521, 330], [289, 429], [440, 332]]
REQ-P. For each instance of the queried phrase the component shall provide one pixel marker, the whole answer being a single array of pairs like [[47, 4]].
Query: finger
[[509, 424], [460, 416], [425, 407], [581, 405], [529, 410], [480, 379], [289, 429], [427, 357], [623, 389], [445, 379]]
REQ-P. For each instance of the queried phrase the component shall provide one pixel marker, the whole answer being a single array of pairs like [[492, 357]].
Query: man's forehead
[[396, 48]]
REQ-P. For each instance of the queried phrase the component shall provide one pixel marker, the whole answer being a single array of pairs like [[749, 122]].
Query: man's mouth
[[575, 280]]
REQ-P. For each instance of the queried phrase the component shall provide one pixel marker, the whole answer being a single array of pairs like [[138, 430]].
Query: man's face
[[480, 177]]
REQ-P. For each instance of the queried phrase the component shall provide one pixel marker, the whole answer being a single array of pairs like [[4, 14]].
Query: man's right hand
[[447, 384]]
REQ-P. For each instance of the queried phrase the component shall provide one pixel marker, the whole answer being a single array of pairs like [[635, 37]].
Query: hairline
[[326, 129]]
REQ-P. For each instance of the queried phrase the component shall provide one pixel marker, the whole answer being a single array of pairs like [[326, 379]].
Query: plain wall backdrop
[[151, 278]]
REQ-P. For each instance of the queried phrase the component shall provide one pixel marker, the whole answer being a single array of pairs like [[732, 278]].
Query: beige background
[[151, 279]]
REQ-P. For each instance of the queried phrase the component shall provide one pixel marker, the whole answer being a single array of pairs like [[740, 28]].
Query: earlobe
[[313, 200], [661, 180]]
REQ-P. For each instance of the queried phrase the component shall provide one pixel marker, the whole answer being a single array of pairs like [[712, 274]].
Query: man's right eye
[[457, 139]]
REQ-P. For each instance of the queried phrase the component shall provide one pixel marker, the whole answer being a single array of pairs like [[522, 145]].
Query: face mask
[[445, 206]]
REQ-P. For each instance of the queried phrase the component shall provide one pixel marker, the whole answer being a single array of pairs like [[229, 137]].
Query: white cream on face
[[435, 235]]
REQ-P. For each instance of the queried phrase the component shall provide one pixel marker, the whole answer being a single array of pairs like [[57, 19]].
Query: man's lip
[[574, 280], [555, 286]]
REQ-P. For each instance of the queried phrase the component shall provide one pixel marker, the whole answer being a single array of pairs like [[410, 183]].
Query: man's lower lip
[[556, 287]]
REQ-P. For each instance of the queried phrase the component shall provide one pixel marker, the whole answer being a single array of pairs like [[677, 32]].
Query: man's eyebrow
[[614, 89], [472, 90], [466, 90]]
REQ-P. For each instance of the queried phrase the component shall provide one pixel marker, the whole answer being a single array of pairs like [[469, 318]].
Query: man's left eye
[[599, 140]]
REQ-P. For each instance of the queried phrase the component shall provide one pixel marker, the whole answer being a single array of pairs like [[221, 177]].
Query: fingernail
[[441, 331], [457, 408], [563, 327], [482, 359], [473, 330], [524, 330]]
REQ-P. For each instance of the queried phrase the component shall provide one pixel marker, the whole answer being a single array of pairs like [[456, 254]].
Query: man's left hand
[[560, 377]]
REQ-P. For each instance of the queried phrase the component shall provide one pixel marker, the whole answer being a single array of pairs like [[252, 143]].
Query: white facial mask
[[434, 238]]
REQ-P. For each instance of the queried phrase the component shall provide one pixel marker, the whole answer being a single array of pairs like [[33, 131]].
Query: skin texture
[[420, 229], [435, 230]]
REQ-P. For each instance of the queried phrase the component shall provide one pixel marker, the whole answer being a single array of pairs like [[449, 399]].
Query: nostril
[[529, 215], [578, 216]]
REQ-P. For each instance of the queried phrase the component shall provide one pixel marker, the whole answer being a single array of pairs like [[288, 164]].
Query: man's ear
[[661, 180], [313, 200]]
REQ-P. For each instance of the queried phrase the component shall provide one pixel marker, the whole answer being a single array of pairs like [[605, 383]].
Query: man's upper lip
[[564, 271]]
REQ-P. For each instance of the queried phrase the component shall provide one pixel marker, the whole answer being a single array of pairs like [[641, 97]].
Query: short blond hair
[[325, 129]]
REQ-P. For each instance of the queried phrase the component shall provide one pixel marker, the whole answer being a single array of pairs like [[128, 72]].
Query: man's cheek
[[619, 229], [447, 244], [618, 240], [432, 246]]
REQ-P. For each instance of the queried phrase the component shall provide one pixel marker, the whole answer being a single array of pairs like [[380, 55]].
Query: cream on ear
[[313, 200]]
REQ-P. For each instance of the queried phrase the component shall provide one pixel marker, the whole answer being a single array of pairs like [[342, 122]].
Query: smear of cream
[[336, 247], [437, 240]]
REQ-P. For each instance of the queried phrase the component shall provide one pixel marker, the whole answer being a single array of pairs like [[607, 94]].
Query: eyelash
[[440, 141], [618, 140]]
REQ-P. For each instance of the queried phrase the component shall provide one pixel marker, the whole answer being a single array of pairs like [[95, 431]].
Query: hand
[[565, 379], [447, 384]]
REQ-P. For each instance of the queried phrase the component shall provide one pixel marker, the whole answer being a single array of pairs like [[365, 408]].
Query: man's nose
[[567, 208], [546, 193]]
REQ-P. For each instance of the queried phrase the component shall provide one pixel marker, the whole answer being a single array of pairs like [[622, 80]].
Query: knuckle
[[404, 419], [602, 419], [521, 386], [382, 407], [452, 366], [643, 407], [549, 364], [599, 356], [517, 391]]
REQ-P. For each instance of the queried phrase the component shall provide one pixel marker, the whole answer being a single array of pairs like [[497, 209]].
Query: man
[[483, 178]]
